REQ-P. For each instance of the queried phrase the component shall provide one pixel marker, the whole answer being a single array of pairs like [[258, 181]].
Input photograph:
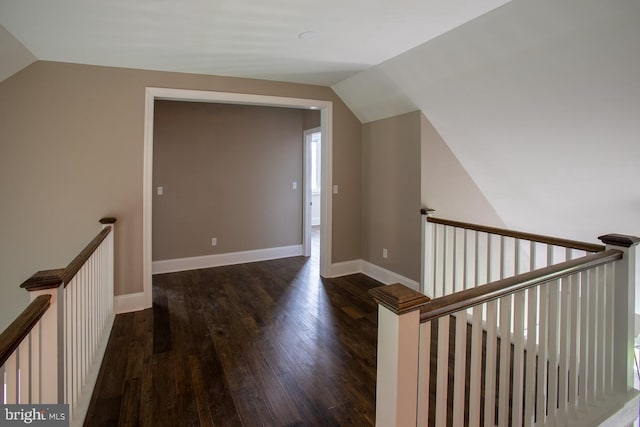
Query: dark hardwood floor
[[260, 344]]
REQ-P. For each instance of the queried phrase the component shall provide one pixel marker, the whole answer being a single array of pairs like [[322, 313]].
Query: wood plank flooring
[[260, 344]]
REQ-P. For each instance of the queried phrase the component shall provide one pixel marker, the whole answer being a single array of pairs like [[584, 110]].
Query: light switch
[[294, 185], [335, 189], [160, 191]]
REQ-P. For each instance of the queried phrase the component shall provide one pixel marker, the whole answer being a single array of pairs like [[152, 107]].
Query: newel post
[[426, 257], [110, 222], [51, 376], [398, 342], [624, 309]]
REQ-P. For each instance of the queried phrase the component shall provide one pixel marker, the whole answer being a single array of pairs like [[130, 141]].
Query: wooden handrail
[[573, 244], [11, 338], [49, 279], [468, 298]]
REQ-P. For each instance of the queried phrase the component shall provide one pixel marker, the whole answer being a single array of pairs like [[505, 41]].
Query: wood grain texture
[[623, 240], [398, 298], [11, 338], [268, 343], [49, 279]]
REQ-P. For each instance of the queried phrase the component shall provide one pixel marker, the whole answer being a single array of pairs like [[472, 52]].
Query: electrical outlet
[[214, 241], [384, 252]]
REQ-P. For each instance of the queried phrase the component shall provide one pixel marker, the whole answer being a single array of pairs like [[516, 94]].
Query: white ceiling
[[247, 38]]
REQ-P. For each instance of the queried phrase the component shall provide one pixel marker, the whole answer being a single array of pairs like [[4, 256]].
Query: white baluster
[[490, 366], [574, 342], [35, 362], [459, 375], [24, 373], [543, 355], [3, 383], [11, 379], [532, 350], [552, 341], [601, 331], [427, 259], [609, 327], [592, 366], [475, 375], [585, 340], [466, 260], [563, 348], [505, 356], [442, 375], [518, 358]]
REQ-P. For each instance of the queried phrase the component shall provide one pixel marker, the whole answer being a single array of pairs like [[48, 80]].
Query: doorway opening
[[326, 129], [312, 189]]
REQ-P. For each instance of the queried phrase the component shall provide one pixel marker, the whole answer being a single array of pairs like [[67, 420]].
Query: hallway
[[266, 343]]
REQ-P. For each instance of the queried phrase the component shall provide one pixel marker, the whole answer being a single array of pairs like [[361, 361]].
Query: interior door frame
[[326, 125], [307, 196]]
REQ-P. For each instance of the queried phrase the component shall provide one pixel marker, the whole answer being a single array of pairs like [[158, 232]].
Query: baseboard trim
[[374, 271], [129, 302], [387, 277], [346, 267], [218, 260]]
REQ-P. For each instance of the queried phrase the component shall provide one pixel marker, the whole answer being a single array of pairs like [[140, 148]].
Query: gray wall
[[407, 165], [391, 193], [227, 172]]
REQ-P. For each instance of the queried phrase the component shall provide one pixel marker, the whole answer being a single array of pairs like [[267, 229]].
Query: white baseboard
[[129, 302], [374, 271], [387, 277], [345, 268], [218, 260]]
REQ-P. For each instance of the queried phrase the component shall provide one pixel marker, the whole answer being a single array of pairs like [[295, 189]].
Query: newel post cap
[[398, 298], [427, 211], [619, 240]]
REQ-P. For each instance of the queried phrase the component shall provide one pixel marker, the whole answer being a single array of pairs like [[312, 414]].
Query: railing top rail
[[48, 279], [556, 241], [15, 333], [463, 300]]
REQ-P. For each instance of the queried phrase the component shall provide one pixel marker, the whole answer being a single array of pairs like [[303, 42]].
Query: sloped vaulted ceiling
[[540, 102]]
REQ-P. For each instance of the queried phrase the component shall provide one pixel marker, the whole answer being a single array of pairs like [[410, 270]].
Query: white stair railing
[[458, 255], [569, 330], [66, 344]]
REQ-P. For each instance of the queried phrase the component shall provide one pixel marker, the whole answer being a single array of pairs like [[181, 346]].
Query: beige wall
[[310, 119], [407, 165], [391, 193], [71, 139], [227, 172], [446, 186]]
